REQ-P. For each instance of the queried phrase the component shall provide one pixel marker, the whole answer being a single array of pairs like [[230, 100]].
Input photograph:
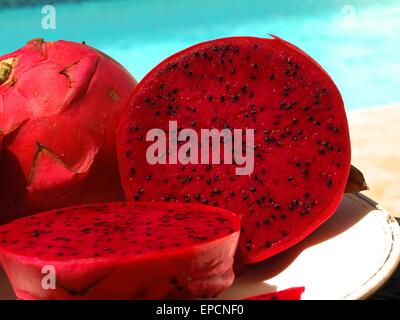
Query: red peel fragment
[[287, 294]]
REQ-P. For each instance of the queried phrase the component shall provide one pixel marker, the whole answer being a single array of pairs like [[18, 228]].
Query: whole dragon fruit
[[121, 251], [301, 142], [60, 104]]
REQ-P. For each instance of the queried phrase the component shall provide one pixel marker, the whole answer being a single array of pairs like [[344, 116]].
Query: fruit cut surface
[[301, 139], [122, 251]]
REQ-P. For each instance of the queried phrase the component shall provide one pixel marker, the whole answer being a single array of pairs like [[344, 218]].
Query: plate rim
[[389, 266]]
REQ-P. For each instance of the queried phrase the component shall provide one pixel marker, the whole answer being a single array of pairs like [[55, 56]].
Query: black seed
[[36, 233], [329, 182], [268, 244], [245, 197], [277, 206], [313, 203], [306, 194], [235, 97], [267, 221], [132, 170], [270, 139], [272, 77], [290, 179], [304, 213]]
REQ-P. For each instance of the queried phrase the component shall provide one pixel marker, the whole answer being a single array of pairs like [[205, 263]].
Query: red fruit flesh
[[122, 251], [60, 104], [288, 294], [302, 146]]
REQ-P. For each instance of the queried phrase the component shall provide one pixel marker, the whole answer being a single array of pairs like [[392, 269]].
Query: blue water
[[357, 42]]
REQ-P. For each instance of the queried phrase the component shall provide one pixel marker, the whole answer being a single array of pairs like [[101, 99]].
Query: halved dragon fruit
[[301, 139], [121, 251]]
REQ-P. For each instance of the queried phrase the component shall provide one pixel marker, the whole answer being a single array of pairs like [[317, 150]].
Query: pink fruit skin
[[302, 136], [130, 266], [288, 294], [59, 109]]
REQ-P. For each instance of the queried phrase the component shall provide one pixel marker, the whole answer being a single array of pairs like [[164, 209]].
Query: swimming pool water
[[357, 42]]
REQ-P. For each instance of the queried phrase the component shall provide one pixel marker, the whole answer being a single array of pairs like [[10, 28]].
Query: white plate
[[348, 257]]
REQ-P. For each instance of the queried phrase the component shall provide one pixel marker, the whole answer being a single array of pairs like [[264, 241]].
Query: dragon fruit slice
[[301, 139], [60, 104], [122, 251]]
